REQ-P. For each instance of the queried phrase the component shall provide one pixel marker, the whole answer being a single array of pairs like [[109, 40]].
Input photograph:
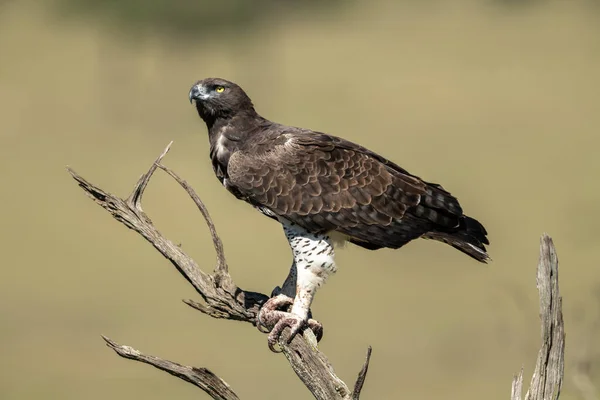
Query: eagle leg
[[313, 263], [289, 285]]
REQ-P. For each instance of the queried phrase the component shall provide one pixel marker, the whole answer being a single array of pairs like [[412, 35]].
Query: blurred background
[[496, 100]]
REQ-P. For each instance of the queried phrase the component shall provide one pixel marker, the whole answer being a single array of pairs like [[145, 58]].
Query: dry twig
[[216, 387]]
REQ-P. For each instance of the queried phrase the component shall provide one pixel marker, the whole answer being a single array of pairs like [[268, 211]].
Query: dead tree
[[549, 370], [222, 298]]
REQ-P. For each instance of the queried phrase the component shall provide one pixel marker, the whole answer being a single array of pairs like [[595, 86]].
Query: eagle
[[322, 189]]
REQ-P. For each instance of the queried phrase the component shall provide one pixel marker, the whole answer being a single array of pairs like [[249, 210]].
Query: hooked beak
[[197, 92]]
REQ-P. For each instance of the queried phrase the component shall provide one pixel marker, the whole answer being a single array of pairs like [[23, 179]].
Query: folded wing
[[324, 183]]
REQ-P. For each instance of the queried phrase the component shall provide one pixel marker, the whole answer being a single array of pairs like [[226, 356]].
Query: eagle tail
[[470, 238]]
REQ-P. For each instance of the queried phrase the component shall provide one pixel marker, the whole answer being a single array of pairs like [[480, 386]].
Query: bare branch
[[222, 297], [237, 304], [214, 386], [313, 368], [547, 378], [135, 198], [362, 375], [517, 386], [221, 269]]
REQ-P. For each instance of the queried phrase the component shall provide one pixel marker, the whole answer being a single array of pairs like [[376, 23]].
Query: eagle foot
[[276, 303], [295, 323], [270, 316]]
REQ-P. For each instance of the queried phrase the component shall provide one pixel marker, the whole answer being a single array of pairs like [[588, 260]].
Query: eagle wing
[[324, 183]]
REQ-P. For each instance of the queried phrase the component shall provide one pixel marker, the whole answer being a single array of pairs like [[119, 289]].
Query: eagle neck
[[234, 127], [228, 135]]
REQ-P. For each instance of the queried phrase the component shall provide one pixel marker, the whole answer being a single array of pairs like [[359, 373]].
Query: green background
[[497, 101]]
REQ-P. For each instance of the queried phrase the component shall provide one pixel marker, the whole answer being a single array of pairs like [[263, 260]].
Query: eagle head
[[219, 98]]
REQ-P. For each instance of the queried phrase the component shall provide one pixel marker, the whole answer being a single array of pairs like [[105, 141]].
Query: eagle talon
[[287, 320], [267, 311], [272, 319], [317, 328], [296, 324], [261, 327]]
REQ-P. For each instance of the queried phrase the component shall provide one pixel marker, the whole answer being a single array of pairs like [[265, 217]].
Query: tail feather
[[470, 238]]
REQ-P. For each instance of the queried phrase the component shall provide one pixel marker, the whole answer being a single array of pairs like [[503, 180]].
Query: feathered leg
[[314, 261]]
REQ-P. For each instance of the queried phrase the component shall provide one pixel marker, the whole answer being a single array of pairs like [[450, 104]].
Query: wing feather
[[325, 183]]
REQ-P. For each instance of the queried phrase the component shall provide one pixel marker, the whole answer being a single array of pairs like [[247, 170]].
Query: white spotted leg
[[313, 262]]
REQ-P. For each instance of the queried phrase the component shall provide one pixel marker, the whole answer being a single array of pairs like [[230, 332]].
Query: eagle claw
[[296, 324], [265, 315], [270, 316]]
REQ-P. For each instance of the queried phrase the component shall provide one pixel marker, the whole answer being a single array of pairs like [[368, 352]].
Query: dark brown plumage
[[324, 183]]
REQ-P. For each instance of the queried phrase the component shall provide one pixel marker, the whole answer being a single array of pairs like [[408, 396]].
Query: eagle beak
[[197, 92]]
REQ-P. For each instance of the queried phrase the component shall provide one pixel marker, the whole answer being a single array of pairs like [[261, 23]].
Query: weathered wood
[[222, 298], [517, 386], [360, 381], [214, 386], [547, 379]]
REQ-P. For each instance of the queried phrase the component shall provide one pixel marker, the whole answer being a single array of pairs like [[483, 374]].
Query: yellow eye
[[219, 89]]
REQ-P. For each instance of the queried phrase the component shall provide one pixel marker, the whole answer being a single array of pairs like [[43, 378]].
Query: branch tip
[[548, 375], [135, 198], [203, 378], [362, 375], [208, 310], [517, 386]]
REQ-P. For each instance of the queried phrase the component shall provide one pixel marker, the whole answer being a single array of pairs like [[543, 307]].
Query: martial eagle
[[321, 187]]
